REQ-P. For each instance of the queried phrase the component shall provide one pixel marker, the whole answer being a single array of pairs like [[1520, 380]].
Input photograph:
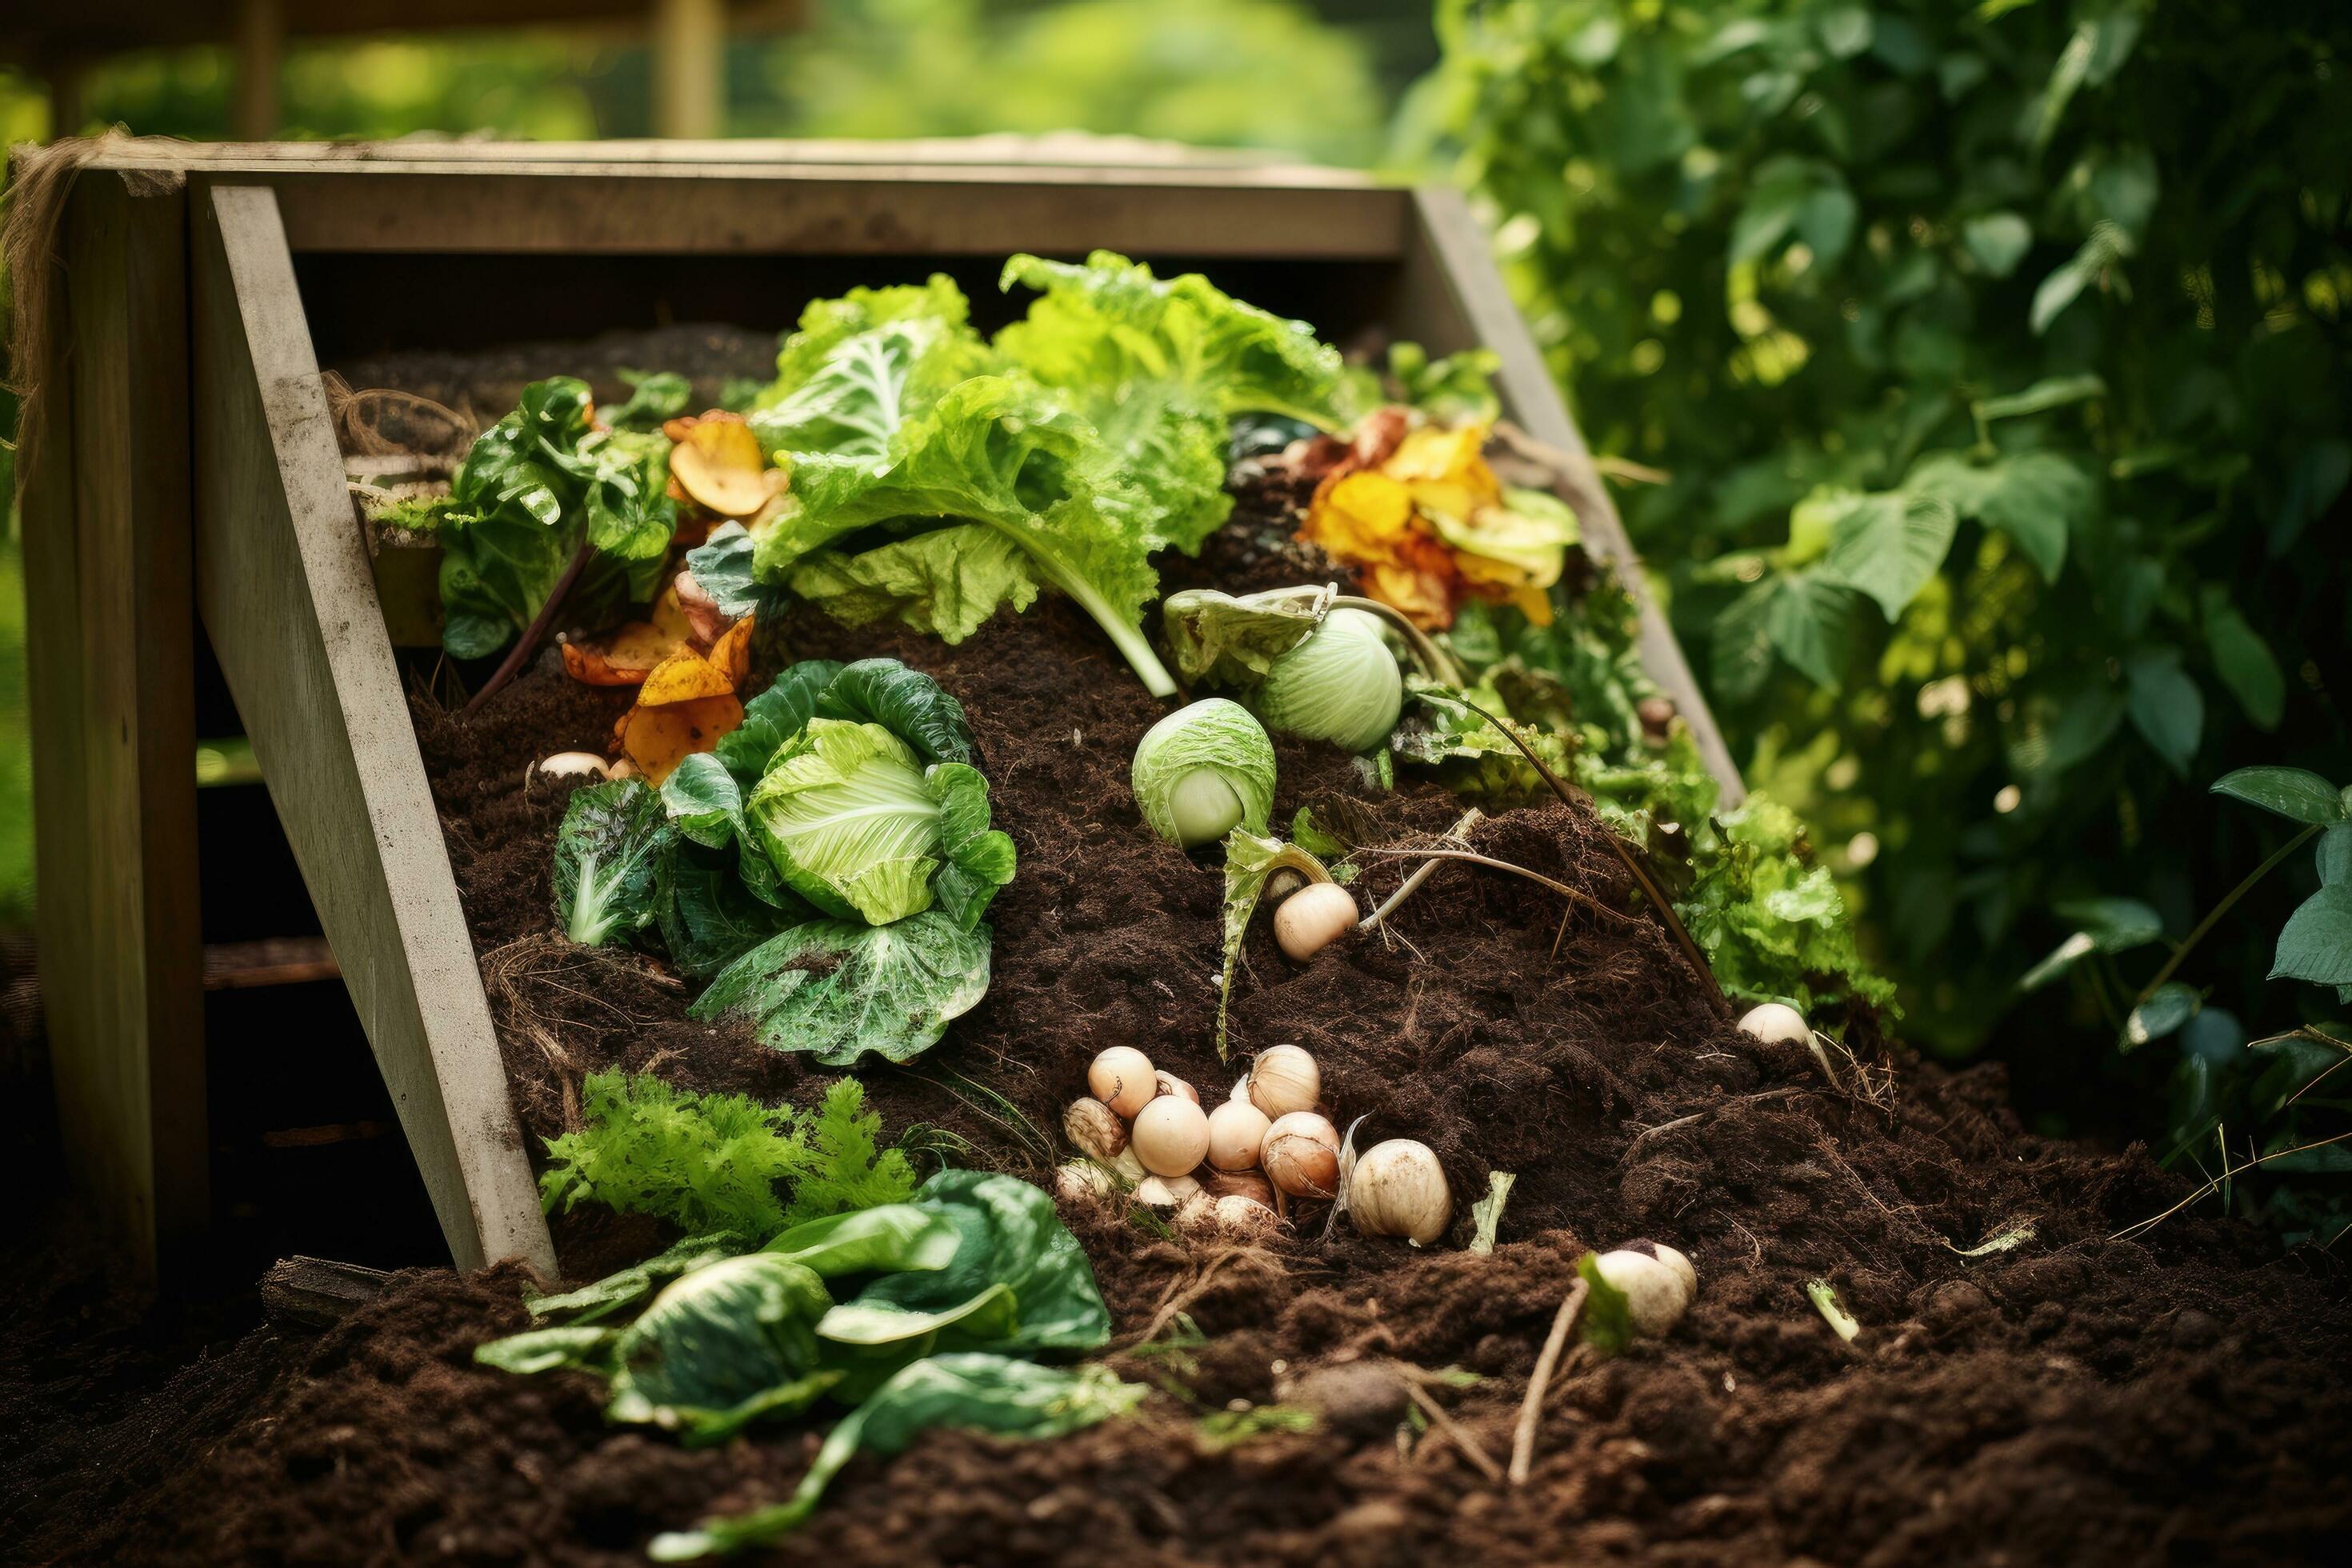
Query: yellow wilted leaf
[[731, 654], [718, 463], [1445, 470], [684, 676], [657, 739]]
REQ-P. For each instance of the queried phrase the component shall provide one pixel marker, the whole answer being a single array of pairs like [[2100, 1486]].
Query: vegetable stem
[[1435, 661], [527, 643], [1420, 874], [1473, 858], [1129, 640], [2181, 952]]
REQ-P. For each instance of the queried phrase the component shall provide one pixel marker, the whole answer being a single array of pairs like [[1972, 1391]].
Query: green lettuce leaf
[[1160, 369], [971, 1391], [610, 854], [722, 1346], [839, 989], [827, 324], [1234, 642], [630, 1285], [1010, 1234], [947, 581], [534, 487]]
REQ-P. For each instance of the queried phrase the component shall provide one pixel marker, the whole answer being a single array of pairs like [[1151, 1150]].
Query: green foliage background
[[1996, 356], [1995, 353]]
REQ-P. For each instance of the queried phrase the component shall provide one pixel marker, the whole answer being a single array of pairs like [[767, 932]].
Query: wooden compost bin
[[189, 463]]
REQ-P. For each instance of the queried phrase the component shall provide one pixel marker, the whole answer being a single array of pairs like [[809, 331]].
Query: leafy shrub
[[1996, 356], [712, 1162]]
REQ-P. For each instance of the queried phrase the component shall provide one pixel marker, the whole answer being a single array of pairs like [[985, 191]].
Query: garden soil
[[2070, 1398]]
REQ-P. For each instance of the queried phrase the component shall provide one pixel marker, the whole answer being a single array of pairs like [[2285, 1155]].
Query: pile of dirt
[[2071, 1398]]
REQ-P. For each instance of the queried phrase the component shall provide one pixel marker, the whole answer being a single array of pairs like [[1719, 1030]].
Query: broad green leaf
[[837, 989], [1997, 241], [1809, 621], [1886, 546], [615, 1291], [1010, 1234], [773, 717], [972, 1391], [886, 1239], [2067, 726], [2335, 855], [907, 702], [2107, 246], [847, 816], [2055, 392], [877, 1327], [609, 856], [2243, 660], [1232, 642], [947, 581], [652, 398], [1845, 31], [2317, 943], [2167, 708], [721, 565], [2036, 498], [975, 859], [722, 1346], [535, 1351], [711, 917], [2102, 925], [853, 402], [2295, 794], [2172, 1005], [2313, 480]]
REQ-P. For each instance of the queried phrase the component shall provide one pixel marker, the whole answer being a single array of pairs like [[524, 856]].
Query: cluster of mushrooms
[[1237, 1166]]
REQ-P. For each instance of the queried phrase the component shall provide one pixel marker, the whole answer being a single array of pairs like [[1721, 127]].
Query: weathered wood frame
[[199, 447]]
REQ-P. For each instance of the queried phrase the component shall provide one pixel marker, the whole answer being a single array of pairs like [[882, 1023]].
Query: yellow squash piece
[[718, 463]]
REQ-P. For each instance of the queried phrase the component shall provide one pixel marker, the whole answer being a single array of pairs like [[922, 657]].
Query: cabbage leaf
[[611, 855], [837, 989]]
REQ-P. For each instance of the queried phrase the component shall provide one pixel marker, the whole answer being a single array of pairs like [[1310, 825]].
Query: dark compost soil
[[2075, 1399]]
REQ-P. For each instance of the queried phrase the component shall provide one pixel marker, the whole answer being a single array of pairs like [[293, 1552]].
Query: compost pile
[[1913, 1338]]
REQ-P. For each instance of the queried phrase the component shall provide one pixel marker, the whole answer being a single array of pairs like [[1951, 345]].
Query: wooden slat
[[109, 619], [1451, 296], [282, 579], [725, 209]]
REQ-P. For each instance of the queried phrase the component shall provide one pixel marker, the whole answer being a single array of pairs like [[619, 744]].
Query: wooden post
[[113, 699], [1449, 272], [259, 44], [689, 50], [282, 579]]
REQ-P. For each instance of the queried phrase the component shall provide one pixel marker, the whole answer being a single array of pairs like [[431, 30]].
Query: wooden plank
[[283, 582], [685, 208], [113, 694], [1452, 296]]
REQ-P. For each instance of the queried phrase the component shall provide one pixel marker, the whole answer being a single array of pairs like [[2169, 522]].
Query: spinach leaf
[[889, 1238], [615, 1291], [1009, 1234], [838, 989], [610, 854], [535, 1351], [722, 1346], [971, 1391], [654, 396], [535, 487]]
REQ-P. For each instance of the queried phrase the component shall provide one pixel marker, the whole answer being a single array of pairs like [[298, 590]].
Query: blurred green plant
[[1998, 355]]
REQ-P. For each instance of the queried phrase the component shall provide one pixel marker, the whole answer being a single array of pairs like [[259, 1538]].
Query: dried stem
[[1470, 818], [1456, 1434], [528, 643], [2216, 1183], [1523, 1439], [1474, 858], [1657, 896]]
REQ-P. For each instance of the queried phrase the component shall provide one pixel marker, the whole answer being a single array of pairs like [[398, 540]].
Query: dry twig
[[1523, 1440]]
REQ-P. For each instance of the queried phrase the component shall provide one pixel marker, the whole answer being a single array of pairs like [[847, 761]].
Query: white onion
[[1777, 1022], [1285, 1079], [1122, 1078], [1166, 1082], [1398, 1188], [1094, 1128], [1655, 1293], [1169, 1136], [1236, 1132], [1165, 1192], [1312, 919], [1301, 1155]]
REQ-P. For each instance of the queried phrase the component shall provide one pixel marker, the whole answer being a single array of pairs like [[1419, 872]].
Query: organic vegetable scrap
[[809, 849]]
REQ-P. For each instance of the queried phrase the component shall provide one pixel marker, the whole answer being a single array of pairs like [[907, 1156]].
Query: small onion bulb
[[1166, 1082], [1312, 919], [1166, 1192], [1244, 1216], [1084, 1182], [1777, 1023], [1251, 1184], [1236, 1132], [574, 764], [1122, 1078], [1398, 1188], [1285, 1079], [1655, 1295], [1169, 1136], [1301, 1155], [1094, 1128]]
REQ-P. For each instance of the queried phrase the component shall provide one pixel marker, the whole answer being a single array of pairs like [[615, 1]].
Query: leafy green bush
[[710, 1163], [1997, 356]]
